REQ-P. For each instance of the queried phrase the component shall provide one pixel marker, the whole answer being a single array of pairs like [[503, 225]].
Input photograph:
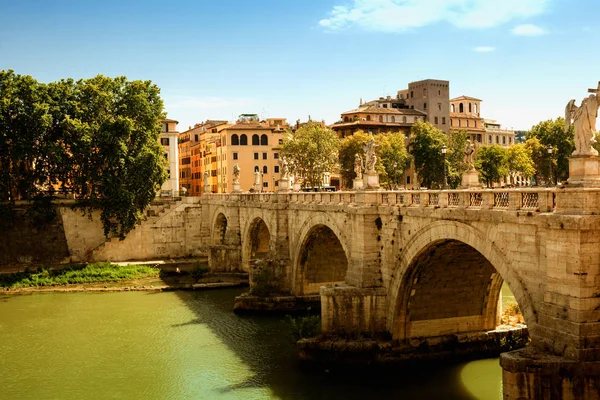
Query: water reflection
[[189, 345]]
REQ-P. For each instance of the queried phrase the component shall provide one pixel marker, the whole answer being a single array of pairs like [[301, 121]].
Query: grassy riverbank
[[80, 274]]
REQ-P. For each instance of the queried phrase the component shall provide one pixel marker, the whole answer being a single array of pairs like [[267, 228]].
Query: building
[[377, 118], [465, 115], [496, 135], [168, 139], [432, 97]]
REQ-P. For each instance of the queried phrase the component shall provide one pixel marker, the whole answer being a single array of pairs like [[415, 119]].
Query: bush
[[305, 326], [199, 272], [264, 281]]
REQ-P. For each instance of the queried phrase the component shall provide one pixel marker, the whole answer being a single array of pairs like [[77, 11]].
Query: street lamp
[[444, 149], [549, 150]]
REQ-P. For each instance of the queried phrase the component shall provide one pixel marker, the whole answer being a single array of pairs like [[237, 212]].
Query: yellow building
[[465, 115], [375, 118]]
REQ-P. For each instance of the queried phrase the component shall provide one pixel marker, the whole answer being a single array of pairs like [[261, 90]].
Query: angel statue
[[583, 119], [358, 166], [371, 158], [284, 167], [236, 173], [469, 151]]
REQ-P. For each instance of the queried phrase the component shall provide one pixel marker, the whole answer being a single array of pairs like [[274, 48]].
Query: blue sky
[[218, 59]]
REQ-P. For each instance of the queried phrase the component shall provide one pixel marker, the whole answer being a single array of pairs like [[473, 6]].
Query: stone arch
[[219, 228], [322, 257], [257, 242], [254, 219], [485, 259]]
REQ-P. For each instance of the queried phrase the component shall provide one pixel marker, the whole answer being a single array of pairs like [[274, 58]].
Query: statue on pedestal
[[236, 173], [469, 151], [370, 157], [583, 119], [358, 166], [284, 168]]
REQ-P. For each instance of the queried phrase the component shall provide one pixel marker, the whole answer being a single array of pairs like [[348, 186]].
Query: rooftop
[[463, 97]]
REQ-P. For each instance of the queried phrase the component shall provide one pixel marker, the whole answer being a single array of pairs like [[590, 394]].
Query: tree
[[426, 148], [552, 133], [455, 156], [97, 137], [311, 151], [519, 161], [491, 163], [540, 159], [392, 157]]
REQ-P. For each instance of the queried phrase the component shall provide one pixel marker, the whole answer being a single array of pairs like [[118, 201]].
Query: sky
[[298, 58]]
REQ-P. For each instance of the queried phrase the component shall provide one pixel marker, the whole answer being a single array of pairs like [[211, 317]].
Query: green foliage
[[199, 272], [264, 282], [491, 163], [540, 159], [311, 151], [455, 156], [520, 161], [97, 138], [392, 157], [90, 273], [426, 149], [552, 133], [304, 326], [596, 144]]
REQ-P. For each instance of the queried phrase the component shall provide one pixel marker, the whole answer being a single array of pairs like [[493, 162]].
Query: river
[[188, 345]]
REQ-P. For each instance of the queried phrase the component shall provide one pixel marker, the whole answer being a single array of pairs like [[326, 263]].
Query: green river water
[[188, 345]]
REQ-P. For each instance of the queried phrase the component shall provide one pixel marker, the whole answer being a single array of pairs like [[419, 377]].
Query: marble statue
[[284, 168], [358, 166], [469, 150], [371, 158], [257, 177], [583, 119], [236, 173]]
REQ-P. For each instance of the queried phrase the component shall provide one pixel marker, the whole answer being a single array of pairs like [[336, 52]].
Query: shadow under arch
[[322, 258], [219, 228], [256, 242], [443, 267]]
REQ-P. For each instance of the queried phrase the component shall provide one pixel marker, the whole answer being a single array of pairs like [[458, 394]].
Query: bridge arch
[[451, 273], [256, 240], [322, 256]]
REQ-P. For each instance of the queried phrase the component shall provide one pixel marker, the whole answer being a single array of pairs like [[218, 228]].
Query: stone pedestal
[[284, 185], [256, 187], [371, 180], [470, 180], [584, 171], [357, 184], [207, 189], [236, 187], [530, 374], [296, 187]]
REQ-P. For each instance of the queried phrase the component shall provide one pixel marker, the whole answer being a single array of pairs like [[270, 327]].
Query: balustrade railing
[[530, 199]]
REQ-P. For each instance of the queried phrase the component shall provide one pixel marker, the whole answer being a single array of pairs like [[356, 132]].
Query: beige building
[[494, 134], [168, 139], [377, 117], [465, 115], [430, 96]]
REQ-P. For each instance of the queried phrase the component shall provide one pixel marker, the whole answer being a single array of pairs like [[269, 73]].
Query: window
[[461, 108], [280, 141], [475, 108], [503, 139], [439, 106], [435, 119], [509, 140], [497, 140], [265, 184], [439, 92], [381, 118], [276, 156], [393, 119], [424, 92], [424, 106], [470, 108], [459, 122], [404, 119], [412, 94], [345, 119], [264, 140], [276, 183], [255, 140], [467, 123], [368, 117], [277, 169], [452, 108], [265, 169], [235, 156], [164, 141], [490, 139], [256, 156], [256, 169], [243, 140], [443, 120], [235, 140], [408, 180], [264, 156], [195, 138]]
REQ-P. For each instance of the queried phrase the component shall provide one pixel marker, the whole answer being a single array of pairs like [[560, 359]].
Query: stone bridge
[[419, 264]]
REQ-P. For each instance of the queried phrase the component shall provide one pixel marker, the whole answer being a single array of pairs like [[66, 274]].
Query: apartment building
[[168, 140]]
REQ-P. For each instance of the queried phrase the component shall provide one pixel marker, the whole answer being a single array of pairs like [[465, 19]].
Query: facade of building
[[494, 134], [168, 139], [465, 115], [432, 97], [377, 118]]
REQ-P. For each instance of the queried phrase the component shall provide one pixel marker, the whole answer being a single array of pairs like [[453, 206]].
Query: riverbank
[[118, 277]]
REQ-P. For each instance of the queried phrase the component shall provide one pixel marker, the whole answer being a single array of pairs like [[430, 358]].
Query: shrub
[[199, 272], [305, 326]]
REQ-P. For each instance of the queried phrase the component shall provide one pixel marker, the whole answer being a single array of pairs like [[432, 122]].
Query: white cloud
[[528, 30], [484, 49], [403, 15]]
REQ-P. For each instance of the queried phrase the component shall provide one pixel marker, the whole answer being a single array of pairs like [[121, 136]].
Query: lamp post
[[549, 149], [444, 149]]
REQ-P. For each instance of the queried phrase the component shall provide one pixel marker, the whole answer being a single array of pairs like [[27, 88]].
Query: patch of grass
[[79, 274]]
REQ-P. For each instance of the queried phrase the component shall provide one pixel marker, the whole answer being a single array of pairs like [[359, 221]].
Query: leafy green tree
[[426, 149], [311, 151], [519, 161], [491, 163], [540, 159], [597, 142], [552, 133], [97, 137], [392, 156], [455, 156]]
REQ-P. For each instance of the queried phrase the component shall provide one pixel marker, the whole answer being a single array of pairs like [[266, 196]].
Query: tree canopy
[[491, 163], [519, 161], [392, 157], [552, 133], [96, 138], [311, 151], [426, 149]]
